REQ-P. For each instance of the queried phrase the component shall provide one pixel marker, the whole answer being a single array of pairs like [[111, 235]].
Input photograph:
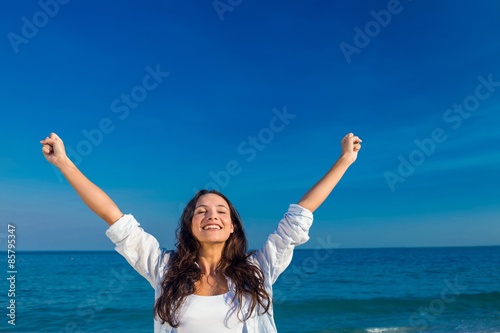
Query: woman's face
[[212, 219]]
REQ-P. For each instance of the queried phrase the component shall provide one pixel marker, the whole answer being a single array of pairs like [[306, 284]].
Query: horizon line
[[297, 249]]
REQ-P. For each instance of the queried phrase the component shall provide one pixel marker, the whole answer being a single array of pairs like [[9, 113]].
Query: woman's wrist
[[346, 159], [64, 163]]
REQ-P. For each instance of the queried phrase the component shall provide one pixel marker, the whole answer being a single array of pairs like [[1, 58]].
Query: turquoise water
[[343, 290]]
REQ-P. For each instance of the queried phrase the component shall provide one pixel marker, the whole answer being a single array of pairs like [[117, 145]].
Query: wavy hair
[[183, 272]]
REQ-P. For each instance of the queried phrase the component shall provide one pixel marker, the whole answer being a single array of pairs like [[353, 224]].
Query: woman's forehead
[[211, 199]]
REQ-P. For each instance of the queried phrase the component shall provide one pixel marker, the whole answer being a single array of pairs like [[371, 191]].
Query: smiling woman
[[210, 282]]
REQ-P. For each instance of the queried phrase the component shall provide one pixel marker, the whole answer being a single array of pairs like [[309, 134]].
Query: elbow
[[111, 217], [307, 205]]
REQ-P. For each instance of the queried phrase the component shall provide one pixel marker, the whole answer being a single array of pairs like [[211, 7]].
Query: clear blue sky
[[418, 81]]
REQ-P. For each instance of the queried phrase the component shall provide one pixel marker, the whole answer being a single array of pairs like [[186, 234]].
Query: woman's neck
[[209, 258]]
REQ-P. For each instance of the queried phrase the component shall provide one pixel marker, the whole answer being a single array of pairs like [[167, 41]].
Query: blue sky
[[159, 98]]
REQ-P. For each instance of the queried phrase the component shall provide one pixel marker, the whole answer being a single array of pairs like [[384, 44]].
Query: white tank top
[[209, 314]]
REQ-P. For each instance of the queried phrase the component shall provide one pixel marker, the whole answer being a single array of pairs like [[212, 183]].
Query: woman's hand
[[53, 149], [351, 145]]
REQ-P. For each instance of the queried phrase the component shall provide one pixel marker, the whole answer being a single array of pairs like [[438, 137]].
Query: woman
[[209, 283]]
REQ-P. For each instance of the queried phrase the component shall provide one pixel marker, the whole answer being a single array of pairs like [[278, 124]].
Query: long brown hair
[[183, 272]]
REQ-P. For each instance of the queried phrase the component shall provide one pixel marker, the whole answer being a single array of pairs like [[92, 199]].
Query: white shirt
[[143, 252], [209, 314]]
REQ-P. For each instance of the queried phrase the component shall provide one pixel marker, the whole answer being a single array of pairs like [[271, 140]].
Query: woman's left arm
[[351, 144], [293, 228]]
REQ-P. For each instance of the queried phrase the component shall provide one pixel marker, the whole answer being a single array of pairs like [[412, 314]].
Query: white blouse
[[209, 314]]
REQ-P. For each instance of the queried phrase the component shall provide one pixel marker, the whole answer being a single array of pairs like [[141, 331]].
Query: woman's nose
[[211, 216]]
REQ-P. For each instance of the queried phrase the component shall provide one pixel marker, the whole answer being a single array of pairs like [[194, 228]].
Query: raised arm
[[98, 201], [322, 189]]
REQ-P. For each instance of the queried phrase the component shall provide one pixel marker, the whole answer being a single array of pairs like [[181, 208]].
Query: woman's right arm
[[138, 247], [98, 201]]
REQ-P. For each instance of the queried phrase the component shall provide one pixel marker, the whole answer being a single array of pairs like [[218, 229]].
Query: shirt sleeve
[[293, 230], [139, 248]]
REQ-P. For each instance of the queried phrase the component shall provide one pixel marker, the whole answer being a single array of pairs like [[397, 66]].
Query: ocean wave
[[379, 305]]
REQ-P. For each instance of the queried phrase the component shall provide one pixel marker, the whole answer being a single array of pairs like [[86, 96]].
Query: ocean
[[437, 290]]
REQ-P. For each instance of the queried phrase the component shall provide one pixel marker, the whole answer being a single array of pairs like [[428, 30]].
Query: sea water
[[436, 290]]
